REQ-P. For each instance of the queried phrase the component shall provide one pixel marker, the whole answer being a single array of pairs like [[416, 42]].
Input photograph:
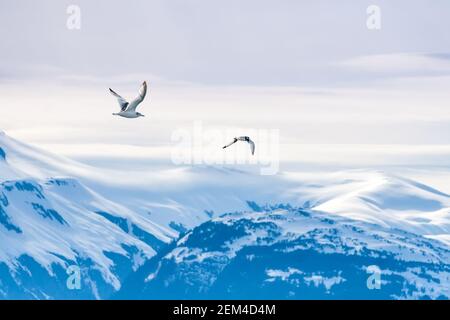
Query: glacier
[[215, 232]]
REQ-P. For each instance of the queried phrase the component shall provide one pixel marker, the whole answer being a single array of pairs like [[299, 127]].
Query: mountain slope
[[382, 199], [59, 223], [49, 224], [289, 253]]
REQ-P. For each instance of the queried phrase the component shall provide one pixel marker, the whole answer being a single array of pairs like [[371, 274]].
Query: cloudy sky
[[310, 69]]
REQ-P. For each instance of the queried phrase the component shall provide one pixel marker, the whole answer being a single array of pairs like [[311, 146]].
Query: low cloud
[[401, 64]]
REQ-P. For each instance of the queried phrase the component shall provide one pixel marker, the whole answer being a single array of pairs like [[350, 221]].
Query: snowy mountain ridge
[[291, 253], [55, 212]]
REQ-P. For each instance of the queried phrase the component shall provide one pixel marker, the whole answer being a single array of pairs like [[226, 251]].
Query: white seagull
[[246, 139], [128, 109]]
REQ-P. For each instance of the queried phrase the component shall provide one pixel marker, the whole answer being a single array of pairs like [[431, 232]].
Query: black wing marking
[[122, 102]]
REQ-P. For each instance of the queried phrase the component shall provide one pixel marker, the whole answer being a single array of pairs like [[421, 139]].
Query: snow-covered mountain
[[49, 224], [122, 229], [290, 253], [56, 213], [383, 199]]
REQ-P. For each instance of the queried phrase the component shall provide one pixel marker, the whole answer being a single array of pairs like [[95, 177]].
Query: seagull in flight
[[246, 139], [128, 109]]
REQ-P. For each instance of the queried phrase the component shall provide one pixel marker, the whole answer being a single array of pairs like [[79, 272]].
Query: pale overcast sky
[[310, 69], [253, 42]]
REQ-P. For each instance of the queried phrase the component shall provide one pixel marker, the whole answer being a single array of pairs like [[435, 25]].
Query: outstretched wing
[[122, 102], [234, 141], [252, 146], [142, 92]]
